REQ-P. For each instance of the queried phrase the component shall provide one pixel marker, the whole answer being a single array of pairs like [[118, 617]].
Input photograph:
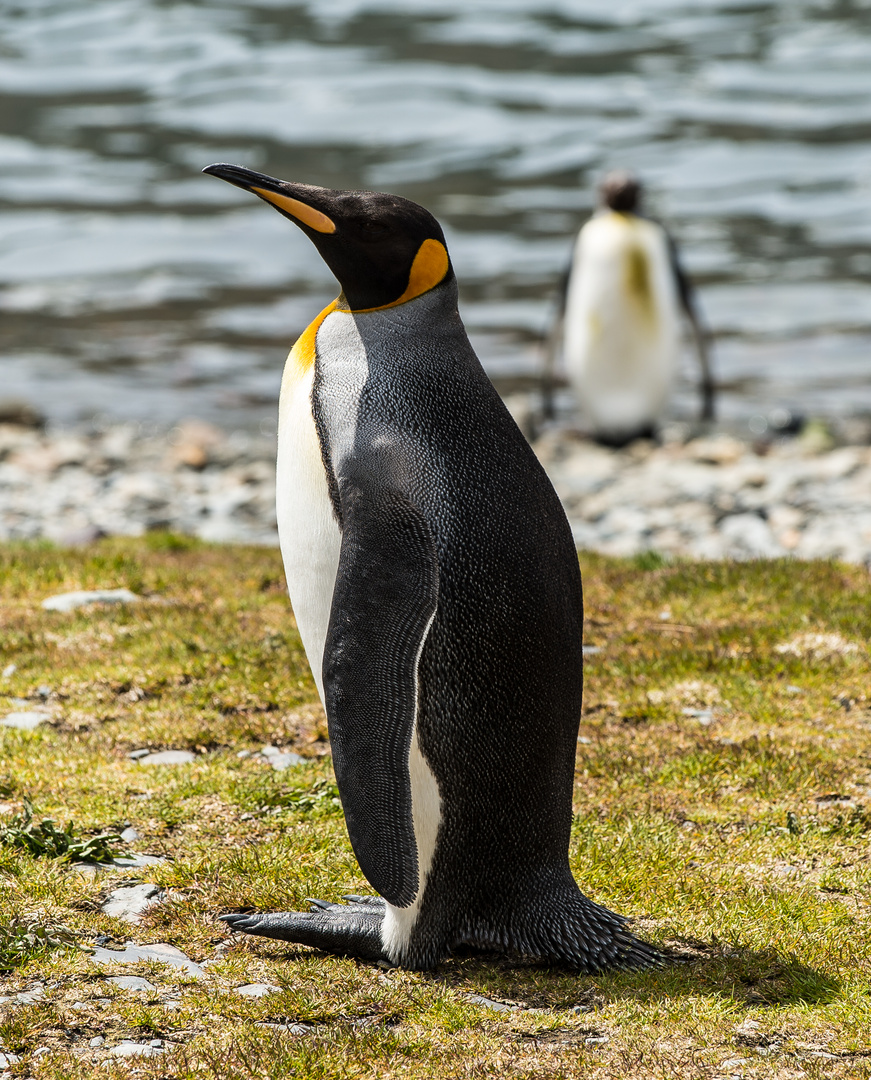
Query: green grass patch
[[722, 801]]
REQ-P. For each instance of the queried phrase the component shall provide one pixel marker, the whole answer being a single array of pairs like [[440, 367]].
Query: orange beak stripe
[[306, 214]]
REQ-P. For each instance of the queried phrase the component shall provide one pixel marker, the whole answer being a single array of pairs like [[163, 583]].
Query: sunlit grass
[[723, 801]]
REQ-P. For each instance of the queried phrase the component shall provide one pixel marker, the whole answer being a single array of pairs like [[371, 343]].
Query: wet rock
[[72, 600], [194, 443], [131, 902], [25, 721], [20, 413], [168, 757]]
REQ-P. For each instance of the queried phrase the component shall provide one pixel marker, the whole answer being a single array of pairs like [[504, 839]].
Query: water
[[131, 285]]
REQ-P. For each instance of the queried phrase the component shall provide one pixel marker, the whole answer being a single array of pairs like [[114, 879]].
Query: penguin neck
[[412, 317]]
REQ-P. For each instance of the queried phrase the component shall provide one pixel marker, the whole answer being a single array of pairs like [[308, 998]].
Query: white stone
[[256, 990], [132, 982], [72, 600], [168, 757], [131, 902], [132, 954], [747, 534], [489, 1003], [285, 760], [127, 1049], [25, 721]]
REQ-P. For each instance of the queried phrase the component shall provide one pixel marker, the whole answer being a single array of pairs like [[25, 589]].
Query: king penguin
[[620, 318], [437, 593]]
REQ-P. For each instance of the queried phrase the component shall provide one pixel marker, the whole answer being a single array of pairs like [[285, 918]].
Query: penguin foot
[[352, 929]]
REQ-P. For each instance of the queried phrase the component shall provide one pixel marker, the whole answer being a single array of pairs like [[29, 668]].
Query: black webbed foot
[[352, 929]]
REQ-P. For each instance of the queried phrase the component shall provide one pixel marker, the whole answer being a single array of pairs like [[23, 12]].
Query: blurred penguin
[[619, 319]]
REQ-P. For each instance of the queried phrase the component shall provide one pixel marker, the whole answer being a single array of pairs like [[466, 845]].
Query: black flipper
[[707, 387], [344, 929], [384, 601]]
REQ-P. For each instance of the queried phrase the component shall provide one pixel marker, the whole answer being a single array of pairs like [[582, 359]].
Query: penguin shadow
[[751, 977]]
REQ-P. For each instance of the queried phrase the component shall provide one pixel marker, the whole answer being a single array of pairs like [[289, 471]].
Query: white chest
[[308, 531], [307, 528]]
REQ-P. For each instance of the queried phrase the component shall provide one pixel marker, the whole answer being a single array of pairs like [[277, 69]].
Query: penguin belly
[[621, 325], [348, 432]]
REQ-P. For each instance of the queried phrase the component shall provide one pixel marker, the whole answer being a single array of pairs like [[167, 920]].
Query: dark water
[[131, 285]]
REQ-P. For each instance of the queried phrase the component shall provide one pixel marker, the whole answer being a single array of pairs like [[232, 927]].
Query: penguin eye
[[373, 230]]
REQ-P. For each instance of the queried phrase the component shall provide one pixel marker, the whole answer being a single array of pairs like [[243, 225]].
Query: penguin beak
[[295, 201]]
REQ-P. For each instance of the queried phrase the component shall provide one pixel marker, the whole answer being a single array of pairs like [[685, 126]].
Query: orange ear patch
[[428, 269], [299, 210]]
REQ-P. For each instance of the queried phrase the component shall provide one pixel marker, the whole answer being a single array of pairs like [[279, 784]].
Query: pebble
[[132, 982], [127, 1048], [97, 1040], [122, 862], [7, 1058], [281, 759], [129, 835], [72, 600], [132, 954], [488, 1003], [714, 497], [9, 671], [129, 903], [25, 721], [168, 757]]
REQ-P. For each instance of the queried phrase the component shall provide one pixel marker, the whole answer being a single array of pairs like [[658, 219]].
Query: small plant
[[322, 798], [649, 560], [44, 839], [856, 823], [25, 937]]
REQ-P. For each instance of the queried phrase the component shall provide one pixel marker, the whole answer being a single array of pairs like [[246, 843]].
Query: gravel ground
[[711, 497]]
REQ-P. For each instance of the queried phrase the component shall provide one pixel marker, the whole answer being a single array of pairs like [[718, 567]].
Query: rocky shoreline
[[715, 496]]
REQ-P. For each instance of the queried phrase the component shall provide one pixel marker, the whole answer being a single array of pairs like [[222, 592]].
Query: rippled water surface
[[132, 285]]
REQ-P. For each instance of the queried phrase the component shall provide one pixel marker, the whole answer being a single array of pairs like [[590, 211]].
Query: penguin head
[[620, 191], [383, 249]]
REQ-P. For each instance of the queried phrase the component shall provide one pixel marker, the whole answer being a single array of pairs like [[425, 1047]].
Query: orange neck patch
[[303, 351], [428, 270]]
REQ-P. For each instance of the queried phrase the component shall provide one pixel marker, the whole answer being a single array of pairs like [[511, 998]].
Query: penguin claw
[[371, 901], [343, 929], [323, 905]]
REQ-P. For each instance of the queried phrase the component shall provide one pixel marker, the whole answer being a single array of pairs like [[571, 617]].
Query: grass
[[723, 801]]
